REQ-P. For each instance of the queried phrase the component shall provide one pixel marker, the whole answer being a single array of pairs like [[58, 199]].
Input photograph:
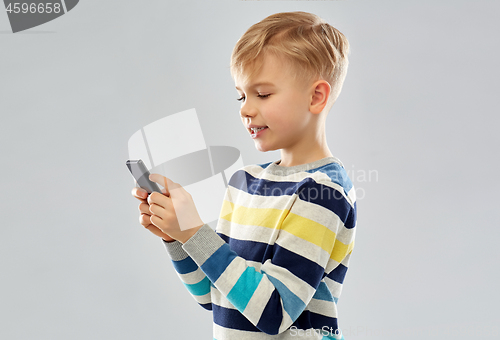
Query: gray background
[[418, 110]]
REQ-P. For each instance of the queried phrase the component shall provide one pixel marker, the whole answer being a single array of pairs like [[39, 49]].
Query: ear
[[320, 94]]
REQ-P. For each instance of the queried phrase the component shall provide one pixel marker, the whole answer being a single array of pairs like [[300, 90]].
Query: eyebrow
[[258, 84]]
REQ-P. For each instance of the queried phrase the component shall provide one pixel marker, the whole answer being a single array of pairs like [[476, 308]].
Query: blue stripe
[[244, 288], [207, 306], [224, 237], [323, 293], [215, 265], [199, 289], [292, 304], [338, 274], [337, 174], [231, 318], [264, 165], [305, 269], [334, 171], [308, 320], [319, 321], [250, 250], [351, 218], [325, 196], [307, 189], [272, 315], [257, 186], [185, 266], [271, 318]]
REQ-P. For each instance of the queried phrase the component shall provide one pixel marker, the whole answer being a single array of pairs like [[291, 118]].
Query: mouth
[[256, 131]]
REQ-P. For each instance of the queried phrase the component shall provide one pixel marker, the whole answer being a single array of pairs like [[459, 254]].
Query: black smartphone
[[141, 175]]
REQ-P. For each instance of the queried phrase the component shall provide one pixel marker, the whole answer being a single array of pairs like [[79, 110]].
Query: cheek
[[280, 123], [283, 115]]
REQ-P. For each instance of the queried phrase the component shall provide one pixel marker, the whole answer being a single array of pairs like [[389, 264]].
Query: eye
[[241, 99], [263, 95]]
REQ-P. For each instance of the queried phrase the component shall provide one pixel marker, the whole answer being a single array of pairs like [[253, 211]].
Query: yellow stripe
[[269, 218], [226, 210], [310, 231], [340, 250], [304, 228]]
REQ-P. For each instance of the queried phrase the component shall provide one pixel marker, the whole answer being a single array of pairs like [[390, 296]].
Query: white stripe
[[203, 299], [256, 265], [258, 301], [318, 176], [318, 214], [345, 261], [304, 248], [230, 276], [263, 202], [346, 236], [257, 171], [325, 217], [334, 264], [326, 308], [334, 287], [247, 233], [193, 277], [220, 300], [286, 322], [352, 196], [331, 266], [305, 209]]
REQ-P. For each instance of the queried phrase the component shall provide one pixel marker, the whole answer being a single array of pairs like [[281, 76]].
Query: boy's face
[[273, 99]]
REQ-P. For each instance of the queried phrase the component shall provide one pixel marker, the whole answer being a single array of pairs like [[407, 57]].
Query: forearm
[[190, 274], [275, 306]]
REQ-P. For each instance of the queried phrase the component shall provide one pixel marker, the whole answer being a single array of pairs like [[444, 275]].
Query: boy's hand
[[145, 218], [174, 213]]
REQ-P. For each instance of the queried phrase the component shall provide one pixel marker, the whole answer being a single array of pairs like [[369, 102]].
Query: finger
[[144, 208], [158, 211], [156, 221], [166, 182], [159, 199], [140, 193], [161, 180], [145, 220]]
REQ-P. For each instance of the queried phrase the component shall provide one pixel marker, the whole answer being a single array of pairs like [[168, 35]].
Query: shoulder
[[333, 175], [330, 187]]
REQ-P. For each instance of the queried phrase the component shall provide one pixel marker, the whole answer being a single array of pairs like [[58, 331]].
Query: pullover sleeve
[[306, 249], [190, 274]]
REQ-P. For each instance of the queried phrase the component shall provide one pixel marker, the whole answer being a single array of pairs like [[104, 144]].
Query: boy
[[274, 268]]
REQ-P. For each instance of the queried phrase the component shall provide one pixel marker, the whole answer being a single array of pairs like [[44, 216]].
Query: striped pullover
[[274, 266]]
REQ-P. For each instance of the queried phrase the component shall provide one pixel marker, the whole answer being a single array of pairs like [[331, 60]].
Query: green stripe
[[200, 288], [244, 288]]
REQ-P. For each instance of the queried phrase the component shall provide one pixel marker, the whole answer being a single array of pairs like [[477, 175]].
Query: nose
[[247, 110]]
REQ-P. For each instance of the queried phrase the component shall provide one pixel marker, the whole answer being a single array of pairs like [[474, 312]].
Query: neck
[[305, 152]]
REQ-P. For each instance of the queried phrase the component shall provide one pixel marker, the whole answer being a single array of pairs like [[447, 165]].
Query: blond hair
[[314, 49]]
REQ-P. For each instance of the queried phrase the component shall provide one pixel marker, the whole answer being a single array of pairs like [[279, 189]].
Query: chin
[[263, 148]]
